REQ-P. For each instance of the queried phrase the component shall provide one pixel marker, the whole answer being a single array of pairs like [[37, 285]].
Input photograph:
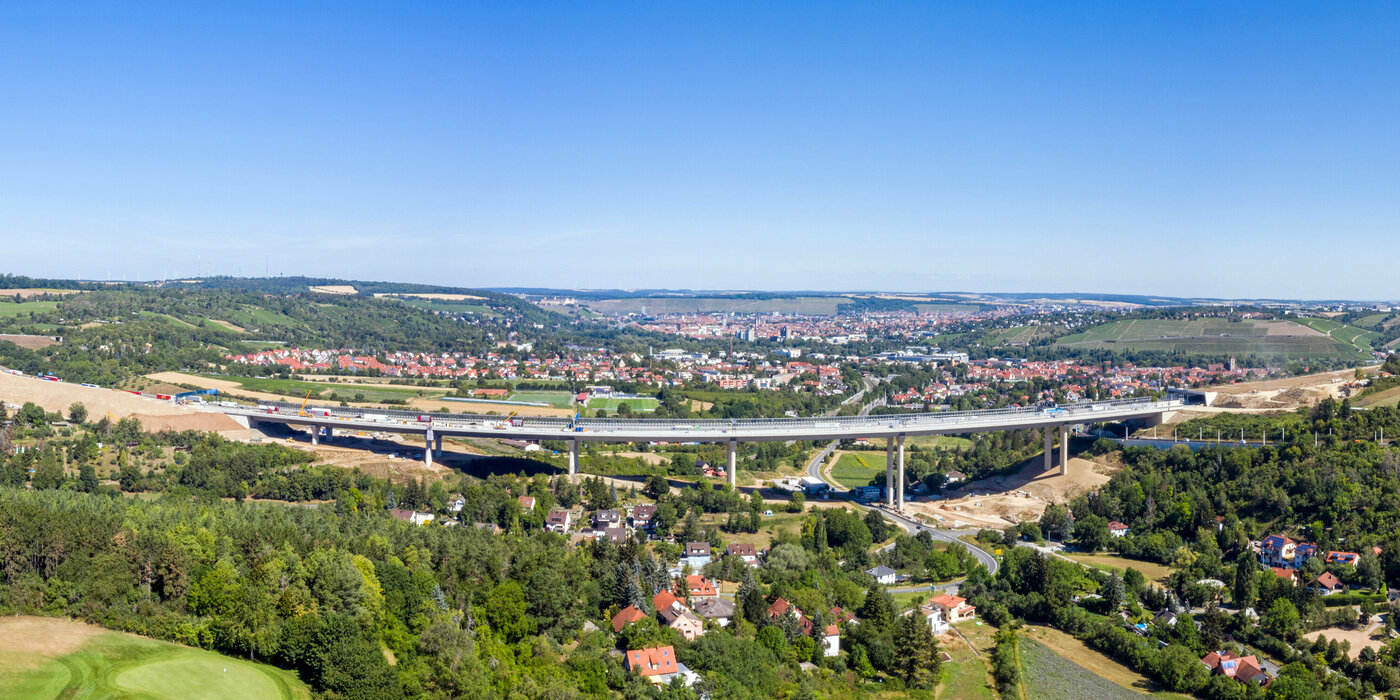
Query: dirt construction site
[[155, 415], [1005, 500]]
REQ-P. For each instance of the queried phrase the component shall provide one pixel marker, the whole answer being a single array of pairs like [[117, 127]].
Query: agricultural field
[[854, 469], [8, 311], [1351, 335], [1055, 665], [638, 405], [53, 658], [1281, 340], [1022, 335], [557, 399]]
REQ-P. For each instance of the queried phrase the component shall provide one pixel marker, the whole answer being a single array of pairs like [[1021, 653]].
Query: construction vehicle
[[302, 411]]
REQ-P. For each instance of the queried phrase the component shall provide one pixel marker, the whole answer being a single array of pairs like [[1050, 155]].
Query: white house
[[883, 575], [937, 623]]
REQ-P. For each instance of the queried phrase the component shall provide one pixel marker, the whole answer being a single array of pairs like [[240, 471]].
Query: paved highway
[[705, 430]]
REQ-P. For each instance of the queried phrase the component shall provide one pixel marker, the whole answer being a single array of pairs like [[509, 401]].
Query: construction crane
[[504, 423], [302, 411]]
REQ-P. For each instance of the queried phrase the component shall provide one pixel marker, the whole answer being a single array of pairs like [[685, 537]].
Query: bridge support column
[[889, 472], [428, 450], [437, 446], [315, 434], [573, 457], [900, 469], [732, 469], [330, 433], [1049, 447], [1064, 450]]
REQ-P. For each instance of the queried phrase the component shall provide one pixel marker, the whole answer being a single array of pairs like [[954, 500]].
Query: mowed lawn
[[45, 658], [1108, 562]]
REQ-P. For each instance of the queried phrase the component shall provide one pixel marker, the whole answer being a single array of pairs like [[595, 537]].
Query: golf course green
[[55, 658]]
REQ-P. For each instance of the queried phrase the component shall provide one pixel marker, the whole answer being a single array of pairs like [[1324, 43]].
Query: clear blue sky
[[1175, 148]]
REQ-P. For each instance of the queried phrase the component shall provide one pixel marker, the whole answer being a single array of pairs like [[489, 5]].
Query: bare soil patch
[[30, 342], [194, 420], [58, 396], [1277, 328], [230, 326], [429, 405], [1357, 636], [1024, 495]]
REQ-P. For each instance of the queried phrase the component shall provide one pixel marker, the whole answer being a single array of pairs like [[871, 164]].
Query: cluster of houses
[[1284, 556]]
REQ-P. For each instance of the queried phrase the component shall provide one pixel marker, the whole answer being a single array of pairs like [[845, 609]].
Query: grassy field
[[51, 658], [854, 469], [1213, 336], [557, 399], [768, 527], [642, 404], [939, 442], [1055, 665], [322, 390], [1108, 562], [450, 307], [13, 310], [1387, 397]]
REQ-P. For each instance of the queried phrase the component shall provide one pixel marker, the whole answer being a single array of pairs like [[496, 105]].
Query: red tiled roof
[[627, 616], [652, 661]]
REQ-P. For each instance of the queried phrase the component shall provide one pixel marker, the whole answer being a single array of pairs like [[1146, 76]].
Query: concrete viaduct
[[894, 428]]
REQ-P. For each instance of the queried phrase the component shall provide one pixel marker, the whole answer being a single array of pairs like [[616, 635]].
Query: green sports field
[[45, 658], [637, 405]]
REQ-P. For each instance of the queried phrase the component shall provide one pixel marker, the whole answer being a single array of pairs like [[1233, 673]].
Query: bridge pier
[[428, 448], [1064, 450], [330, 433], [732, 470], [315, 435], [437, 446], [900, 507], [573, 457], [889, 472], [1049, 447]]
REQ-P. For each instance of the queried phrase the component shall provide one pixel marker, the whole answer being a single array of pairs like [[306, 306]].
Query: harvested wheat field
[[29, 342]]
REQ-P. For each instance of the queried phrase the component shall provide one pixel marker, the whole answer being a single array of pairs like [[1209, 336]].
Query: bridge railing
[[1087, 410]]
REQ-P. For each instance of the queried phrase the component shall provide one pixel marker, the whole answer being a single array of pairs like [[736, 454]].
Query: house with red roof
[[1245, 669], [627, 616], [1327, 583], [955, 609]]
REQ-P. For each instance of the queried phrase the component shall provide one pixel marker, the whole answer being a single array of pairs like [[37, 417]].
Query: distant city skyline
[[1192, 150]]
